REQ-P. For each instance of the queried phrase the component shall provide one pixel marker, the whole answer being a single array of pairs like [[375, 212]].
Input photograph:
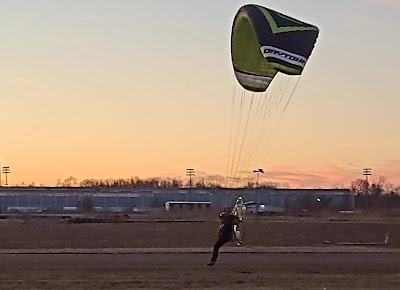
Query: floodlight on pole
[[6, 170], [190, 172], [366, 173], [258, 171]]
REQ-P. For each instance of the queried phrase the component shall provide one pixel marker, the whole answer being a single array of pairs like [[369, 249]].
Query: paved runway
[[375, 261], [177, 269]]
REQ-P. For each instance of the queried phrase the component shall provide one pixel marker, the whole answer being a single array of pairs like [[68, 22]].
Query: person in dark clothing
[[225, 233]]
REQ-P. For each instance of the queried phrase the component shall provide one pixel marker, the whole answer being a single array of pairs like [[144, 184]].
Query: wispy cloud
[[391, 3], [327, 174], [26, 81], [356, 19], [390, 169]]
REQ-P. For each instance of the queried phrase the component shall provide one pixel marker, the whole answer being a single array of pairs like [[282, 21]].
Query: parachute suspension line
[[243, 128], [291, 95], [267, 105], [269, 118], [245, 133], [286, 104], [254, 129], [266, 116], [262, 123], [240, 104], [255, 118], [237, 128], [249, 138], [230, 136]]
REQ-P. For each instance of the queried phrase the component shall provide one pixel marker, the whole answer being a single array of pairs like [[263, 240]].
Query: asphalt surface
[[359, 261]]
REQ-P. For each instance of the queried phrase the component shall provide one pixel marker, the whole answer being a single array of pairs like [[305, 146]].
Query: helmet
[[226, 212]]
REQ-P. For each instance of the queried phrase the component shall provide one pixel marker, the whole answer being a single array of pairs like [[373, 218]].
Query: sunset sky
[[125, 88]]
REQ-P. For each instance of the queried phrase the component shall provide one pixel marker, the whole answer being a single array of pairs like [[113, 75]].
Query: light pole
[[366, 173], [190, 173], [258, 171], [6, 170]]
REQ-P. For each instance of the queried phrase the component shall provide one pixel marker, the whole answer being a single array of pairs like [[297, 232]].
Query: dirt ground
[[39, 233], [188, 271], [235, 270]]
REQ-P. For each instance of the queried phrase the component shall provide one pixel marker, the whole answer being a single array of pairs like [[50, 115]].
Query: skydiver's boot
[[211, 263]]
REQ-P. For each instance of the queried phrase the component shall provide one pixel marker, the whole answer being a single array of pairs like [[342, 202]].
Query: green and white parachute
[[269, 51]]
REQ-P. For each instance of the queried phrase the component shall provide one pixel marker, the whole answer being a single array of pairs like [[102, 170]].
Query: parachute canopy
[[265, 42], [269, 52]]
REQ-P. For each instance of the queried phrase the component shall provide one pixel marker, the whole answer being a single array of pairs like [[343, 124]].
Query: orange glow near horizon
[[103, 91]]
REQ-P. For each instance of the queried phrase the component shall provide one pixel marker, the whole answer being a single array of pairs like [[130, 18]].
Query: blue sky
[[142, 88]]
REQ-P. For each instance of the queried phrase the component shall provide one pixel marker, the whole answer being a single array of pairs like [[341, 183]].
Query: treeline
[[137, 182], [361, 187], [377, 194], [132, 182], [377, 187]]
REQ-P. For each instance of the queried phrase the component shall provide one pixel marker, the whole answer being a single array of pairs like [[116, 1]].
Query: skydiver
[[226, 233]]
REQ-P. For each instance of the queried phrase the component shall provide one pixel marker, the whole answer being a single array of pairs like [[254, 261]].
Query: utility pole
[[6, 170], [258, 171], [366, 173], [190, 173]]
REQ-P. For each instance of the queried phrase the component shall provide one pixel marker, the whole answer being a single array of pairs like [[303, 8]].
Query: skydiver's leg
[[220, 242], [236, 233]]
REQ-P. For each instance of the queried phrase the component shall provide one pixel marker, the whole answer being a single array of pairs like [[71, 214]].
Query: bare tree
[[378, 186], [359, 186], [70, 181]]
